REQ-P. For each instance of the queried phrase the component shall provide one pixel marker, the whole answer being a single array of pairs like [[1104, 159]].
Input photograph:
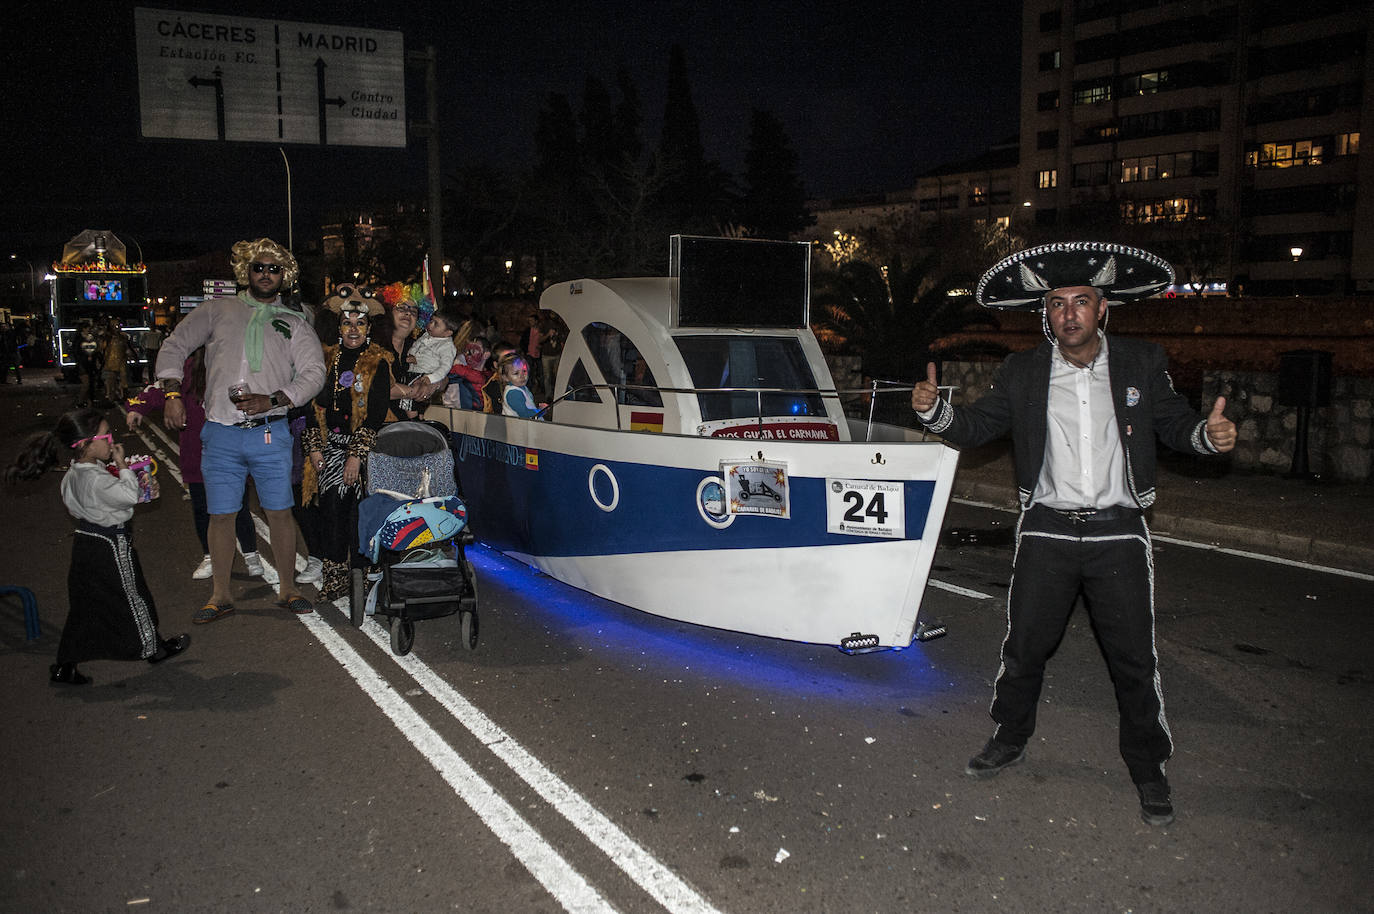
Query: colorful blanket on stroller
[[387, 523]]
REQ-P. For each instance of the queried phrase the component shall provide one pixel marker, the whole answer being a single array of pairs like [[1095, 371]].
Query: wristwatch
[[275, 400]]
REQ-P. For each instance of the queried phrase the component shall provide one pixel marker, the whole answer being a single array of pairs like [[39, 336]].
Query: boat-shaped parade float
[[699, 465]]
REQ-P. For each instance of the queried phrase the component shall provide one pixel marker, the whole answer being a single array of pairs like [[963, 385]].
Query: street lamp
[[1296, 251]]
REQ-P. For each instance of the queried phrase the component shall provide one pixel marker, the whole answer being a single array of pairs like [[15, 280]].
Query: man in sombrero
[[1084, 410]]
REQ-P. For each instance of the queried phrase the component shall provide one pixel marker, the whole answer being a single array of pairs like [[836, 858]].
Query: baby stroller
[[412, 528]]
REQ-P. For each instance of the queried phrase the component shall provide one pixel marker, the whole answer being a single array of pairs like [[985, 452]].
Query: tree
[[483, 226], [893, 315], [696, 195], [774, 201]]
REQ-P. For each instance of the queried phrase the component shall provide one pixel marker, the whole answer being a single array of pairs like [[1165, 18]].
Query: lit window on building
[[1347, 144], [1286, 154], [1047, 178], [1092, 93], [1145, 83], [1169, 209], [1049, 60]]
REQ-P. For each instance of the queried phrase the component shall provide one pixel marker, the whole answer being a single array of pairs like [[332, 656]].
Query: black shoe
[[1155, 806], [170, 647], [994, 757], [67, 674]]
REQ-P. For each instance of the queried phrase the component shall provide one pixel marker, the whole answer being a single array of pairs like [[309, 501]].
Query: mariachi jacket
[[1143, 397]]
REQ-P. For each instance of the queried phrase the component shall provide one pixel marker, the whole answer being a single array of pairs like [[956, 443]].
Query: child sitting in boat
[[516, 399], [467, 375], [434, 352], [491, 388]]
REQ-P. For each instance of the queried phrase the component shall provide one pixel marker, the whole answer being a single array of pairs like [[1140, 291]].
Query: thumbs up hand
[[925, 394], [1220, 430]]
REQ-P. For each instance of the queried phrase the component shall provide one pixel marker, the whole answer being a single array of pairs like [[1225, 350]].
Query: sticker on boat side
[[757, 487], [865, 507]]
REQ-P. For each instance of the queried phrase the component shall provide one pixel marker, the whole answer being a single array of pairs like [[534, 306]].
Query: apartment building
[[1225, 131]]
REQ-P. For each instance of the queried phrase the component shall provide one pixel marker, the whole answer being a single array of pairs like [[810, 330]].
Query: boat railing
[[872, 391]]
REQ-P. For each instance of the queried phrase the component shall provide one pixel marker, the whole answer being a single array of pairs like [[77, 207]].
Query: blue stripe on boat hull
[[549, 511]]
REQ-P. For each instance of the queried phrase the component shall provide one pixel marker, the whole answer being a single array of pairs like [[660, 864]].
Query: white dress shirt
[[1085, 466]]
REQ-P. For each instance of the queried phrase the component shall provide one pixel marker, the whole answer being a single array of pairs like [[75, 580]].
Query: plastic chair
[[31, 630]]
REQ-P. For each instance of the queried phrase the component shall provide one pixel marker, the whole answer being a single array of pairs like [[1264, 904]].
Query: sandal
[[212, 612], [170, 647], [296, 604]]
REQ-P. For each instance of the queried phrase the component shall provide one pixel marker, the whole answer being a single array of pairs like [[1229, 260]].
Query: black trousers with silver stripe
[[1110, 564]]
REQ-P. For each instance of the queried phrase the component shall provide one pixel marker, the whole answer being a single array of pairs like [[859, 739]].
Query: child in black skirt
[[111, 615]]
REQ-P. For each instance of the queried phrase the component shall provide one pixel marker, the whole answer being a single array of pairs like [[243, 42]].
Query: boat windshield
[[621, 364], [750, 361]]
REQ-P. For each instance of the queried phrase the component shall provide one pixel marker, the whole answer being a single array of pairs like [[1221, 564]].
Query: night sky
[[871, 94]]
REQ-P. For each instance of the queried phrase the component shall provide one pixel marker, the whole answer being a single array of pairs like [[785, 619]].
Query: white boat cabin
[[721, 347]]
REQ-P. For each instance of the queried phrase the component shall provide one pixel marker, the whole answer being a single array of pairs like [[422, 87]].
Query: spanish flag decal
[[646, 422], [531, 460]]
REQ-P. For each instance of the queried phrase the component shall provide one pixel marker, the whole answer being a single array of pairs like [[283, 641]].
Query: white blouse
[[92, 494]]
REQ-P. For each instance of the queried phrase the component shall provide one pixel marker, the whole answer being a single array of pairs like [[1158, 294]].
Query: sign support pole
[[290, 222], [430, 130]]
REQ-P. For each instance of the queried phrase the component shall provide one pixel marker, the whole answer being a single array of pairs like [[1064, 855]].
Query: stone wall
[[1340, 436]]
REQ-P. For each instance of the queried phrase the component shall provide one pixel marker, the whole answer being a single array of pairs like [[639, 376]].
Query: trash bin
[[1304, 382], [1305, 378]]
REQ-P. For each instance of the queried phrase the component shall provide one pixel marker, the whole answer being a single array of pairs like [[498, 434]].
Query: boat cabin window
[[621, 364], [579, 383], [750, 361]]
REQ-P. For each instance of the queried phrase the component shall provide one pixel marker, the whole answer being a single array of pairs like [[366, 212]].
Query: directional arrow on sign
[[320, 67], [218, 84]]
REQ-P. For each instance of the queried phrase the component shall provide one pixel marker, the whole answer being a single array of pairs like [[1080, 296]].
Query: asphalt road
[[588, 757]]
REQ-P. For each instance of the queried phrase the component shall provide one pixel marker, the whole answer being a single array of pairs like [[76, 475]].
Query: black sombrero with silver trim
[[1123, 273]]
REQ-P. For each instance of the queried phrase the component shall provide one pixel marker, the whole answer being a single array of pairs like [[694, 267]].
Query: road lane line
[[555, 874], [665, 886], [642, 867], [563, 882], [1208, 547], [961, 591], [1276, 560]]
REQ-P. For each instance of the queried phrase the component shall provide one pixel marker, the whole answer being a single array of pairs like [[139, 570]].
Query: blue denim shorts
[[232, 454]]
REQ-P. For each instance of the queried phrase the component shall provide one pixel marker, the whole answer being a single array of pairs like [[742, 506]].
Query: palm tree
[[894, 317]]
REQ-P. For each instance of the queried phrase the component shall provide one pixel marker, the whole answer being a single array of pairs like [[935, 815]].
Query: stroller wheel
[[402, 636], [357, 596], [467, 623]]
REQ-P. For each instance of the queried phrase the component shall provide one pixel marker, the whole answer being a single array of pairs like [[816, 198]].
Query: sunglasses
[[273, 268], [108, 437]]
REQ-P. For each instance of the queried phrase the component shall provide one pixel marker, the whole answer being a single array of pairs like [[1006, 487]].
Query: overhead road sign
[[212, 77]]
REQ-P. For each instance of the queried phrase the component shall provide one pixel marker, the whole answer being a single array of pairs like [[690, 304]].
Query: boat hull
[[620, 514]]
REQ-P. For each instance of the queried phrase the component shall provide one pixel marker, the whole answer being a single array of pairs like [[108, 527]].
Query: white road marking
[[1273, 559], [961, 591], [562, 881], [647, 872], [1208, 547]]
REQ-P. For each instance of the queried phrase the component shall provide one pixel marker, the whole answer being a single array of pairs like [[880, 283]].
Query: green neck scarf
[[257, 324]]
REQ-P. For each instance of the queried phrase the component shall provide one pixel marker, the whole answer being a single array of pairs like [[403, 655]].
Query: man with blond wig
[[261, 359]]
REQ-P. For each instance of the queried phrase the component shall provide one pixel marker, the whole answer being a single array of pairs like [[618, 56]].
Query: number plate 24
[[865, 507]]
